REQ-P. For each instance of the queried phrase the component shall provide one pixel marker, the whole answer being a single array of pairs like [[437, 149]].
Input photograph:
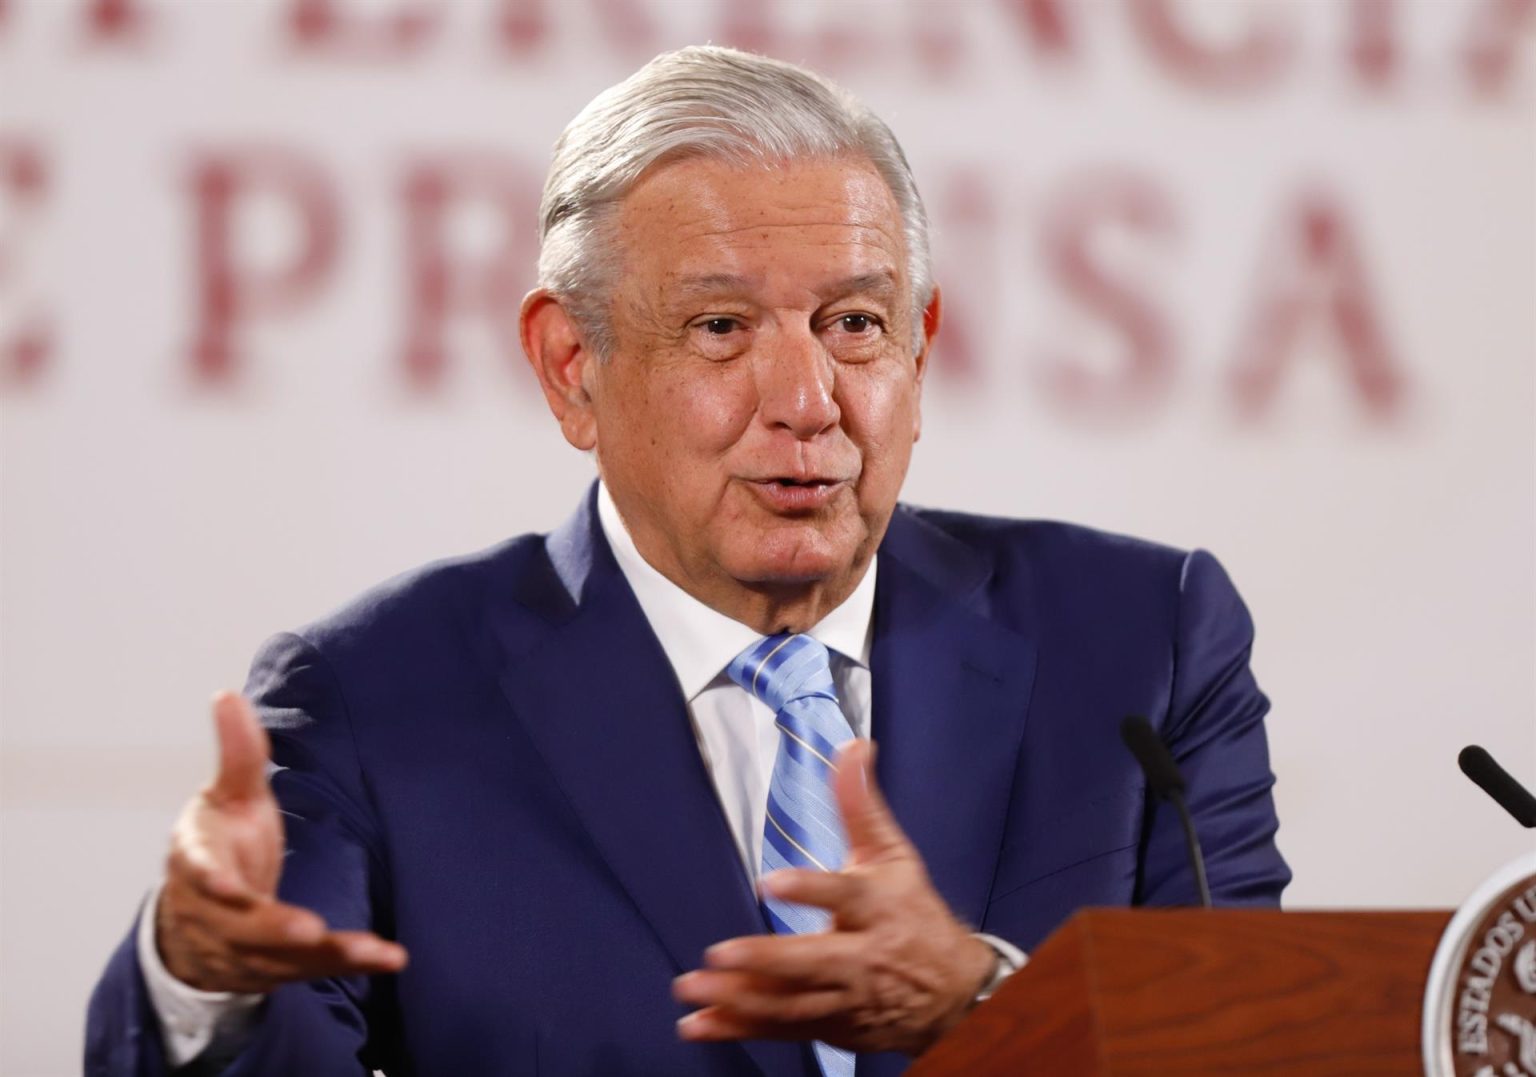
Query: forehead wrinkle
[[856, 195], [833, 233], [873, 223], [880, 283], [707, 247], [850, 199]]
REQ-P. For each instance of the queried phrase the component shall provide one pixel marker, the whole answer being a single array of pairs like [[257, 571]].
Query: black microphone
[[1164, 779], [1498, 783]]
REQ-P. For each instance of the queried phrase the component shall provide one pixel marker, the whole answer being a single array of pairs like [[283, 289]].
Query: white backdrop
[[1255, 276]]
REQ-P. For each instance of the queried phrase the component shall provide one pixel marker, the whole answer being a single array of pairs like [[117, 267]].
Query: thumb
[[243, 749], [873, 832]]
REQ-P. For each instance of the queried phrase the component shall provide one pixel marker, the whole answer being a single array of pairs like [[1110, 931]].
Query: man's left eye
[[856, 323]]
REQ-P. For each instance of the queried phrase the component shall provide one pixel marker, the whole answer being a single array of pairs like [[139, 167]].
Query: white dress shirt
[[736, 733]]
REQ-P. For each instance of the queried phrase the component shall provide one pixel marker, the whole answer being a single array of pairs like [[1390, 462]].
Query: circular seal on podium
[[1480, 1001]]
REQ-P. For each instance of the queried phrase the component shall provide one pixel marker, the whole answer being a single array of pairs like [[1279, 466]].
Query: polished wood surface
[[1191, 991]]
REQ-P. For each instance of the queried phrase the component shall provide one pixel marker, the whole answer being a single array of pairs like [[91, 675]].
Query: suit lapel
[[599, 700], [951, 692], [601, 703]]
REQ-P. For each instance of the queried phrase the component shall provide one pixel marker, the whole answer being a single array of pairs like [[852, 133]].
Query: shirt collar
[[699, 641]]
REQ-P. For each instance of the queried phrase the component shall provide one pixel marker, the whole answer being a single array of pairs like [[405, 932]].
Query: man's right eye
[[721, 326]]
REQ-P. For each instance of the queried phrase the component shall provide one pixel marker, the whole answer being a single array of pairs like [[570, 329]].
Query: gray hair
[[712, 102]]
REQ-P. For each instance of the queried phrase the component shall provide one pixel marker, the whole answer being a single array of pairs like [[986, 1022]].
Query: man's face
[[755, 421]]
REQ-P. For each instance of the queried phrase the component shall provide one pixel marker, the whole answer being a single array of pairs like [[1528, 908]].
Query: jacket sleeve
[[333, 864], [1214, 727]]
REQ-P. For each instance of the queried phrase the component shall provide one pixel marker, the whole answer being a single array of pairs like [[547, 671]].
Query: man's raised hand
[[895, 971], [219, 925]]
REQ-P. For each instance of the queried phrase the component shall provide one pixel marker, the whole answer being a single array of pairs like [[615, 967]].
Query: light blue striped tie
[[793, 676]]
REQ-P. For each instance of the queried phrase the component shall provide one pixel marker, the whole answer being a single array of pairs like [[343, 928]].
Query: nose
[[795, 383]]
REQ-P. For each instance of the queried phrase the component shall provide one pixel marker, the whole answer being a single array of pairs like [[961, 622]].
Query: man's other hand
[[895, 971], [219, 925]]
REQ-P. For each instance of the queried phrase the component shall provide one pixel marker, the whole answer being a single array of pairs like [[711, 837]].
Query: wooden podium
[[1192, 991]]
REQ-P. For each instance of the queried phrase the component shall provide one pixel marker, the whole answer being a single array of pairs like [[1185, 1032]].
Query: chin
[[793, 559]]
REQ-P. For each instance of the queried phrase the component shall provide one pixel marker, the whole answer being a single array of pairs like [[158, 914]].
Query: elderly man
[[614, 789]]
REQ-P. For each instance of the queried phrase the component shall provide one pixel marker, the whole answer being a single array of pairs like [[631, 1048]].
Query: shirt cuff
[[1010, 959], [191, 1021]]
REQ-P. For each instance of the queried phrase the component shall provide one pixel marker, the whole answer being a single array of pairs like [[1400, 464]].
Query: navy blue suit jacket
[[491, 761]]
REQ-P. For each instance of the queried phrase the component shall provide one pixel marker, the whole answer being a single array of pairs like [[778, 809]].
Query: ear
[[561, 361], [933, 315]]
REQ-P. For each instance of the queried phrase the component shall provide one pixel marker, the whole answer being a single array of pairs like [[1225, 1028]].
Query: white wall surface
[[155, 526]]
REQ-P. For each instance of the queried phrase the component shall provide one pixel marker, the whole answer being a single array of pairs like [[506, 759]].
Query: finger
[[716, 1023], [710, 988], [364, 948], [339, 954], [713, 1024], [805, 960], [264, 924], [758, 998], [300, 936], [824, 889], [243, 750], [361, 953], [873, 832]]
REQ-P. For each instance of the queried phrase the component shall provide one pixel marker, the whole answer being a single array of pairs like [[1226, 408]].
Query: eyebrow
[[708, 284], [880, 282]]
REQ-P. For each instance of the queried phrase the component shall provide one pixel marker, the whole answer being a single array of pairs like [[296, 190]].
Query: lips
[[797, 494], [785, 480]]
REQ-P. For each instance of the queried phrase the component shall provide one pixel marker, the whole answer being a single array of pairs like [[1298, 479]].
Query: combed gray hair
[[711, 102]]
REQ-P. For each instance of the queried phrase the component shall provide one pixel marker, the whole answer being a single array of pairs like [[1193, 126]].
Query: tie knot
[[778, 669]]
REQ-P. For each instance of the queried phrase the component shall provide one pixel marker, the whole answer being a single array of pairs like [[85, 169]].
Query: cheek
[[879, 411], [713, 410], [694, 414]]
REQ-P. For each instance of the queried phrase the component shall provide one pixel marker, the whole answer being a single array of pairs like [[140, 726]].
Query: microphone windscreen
[[1477, 764], [1150, 751]]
